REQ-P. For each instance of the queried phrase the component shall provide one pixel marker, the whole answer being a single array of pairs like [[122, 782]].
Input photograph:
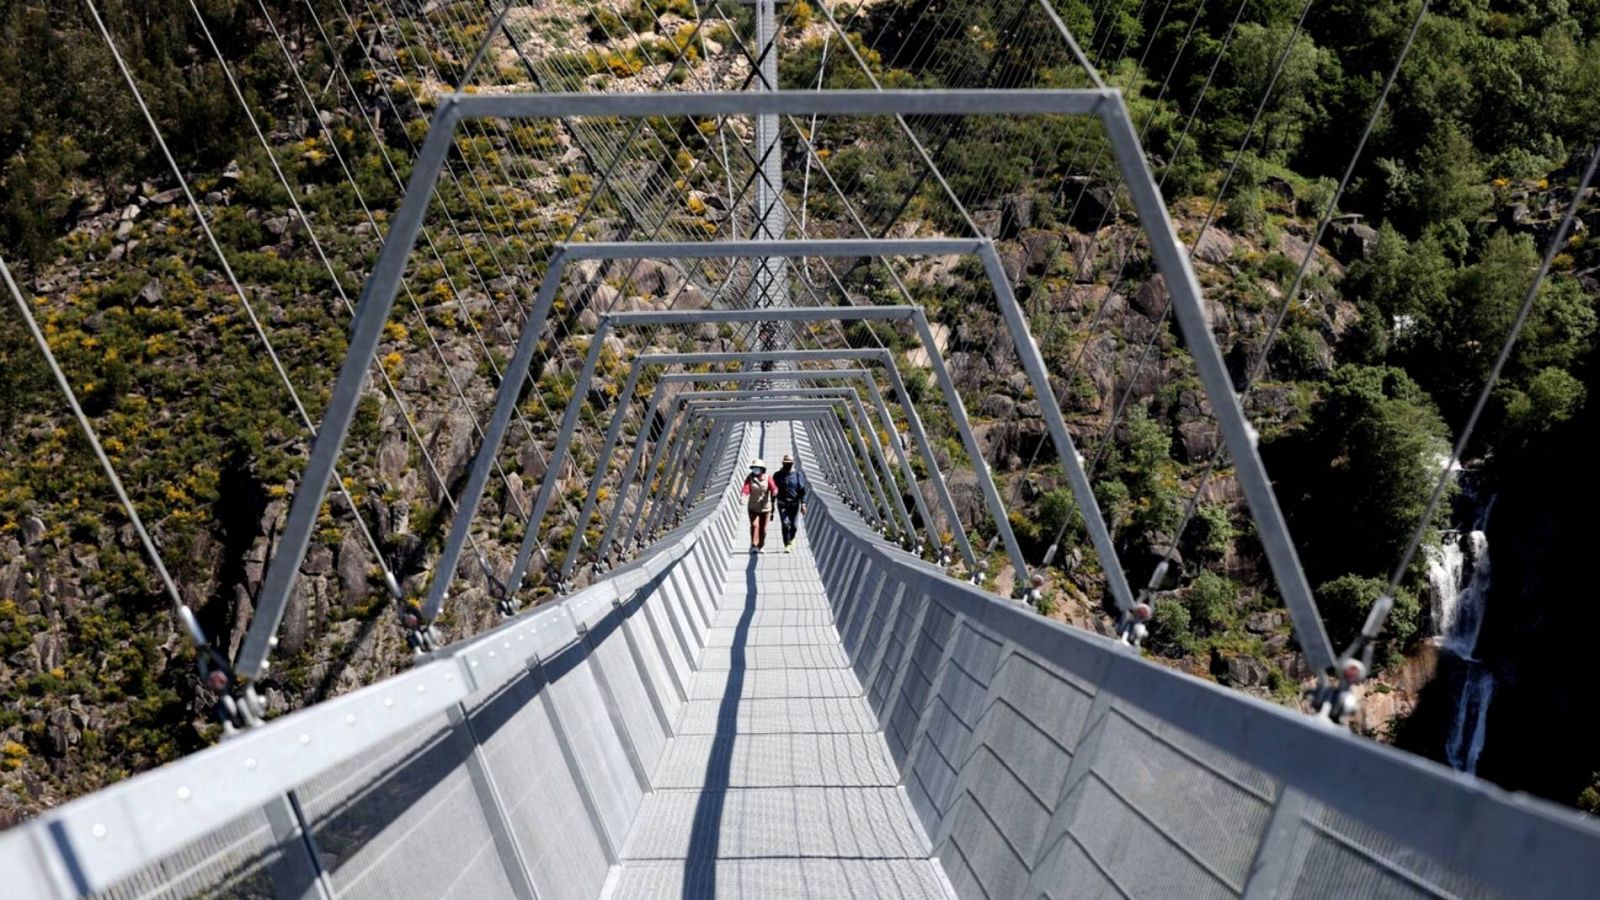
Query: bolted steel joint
[[421, 636], [240, 710], [1335, 702], [1132, 629]]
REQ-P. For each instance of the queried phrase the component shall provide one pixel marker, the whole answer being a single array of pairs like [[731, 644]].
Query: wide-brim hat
[[758, 463]]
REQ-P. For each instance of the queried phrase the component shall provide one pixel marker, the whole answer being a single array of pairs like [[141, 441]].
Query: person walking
[[759, 488], [792, 489]]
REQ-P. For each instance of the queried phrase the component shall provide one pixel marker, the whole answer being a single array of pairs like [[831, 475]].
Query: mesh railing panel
[[242, 859], [543, 806], [406, 823], [1340, 857], [895, 652], [1199, 809], [1135, 852], [918, 684]]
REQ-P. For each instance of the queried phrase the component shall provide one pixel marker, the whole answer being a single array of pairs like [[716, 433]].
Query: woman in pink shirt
[[760, 489]]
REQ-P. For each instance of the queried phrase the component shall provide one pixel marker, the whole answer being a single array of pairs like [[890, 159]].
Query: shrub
[[1211, 602], [1345, 602], [1212, 530], [1171, 629], [1247, 212]]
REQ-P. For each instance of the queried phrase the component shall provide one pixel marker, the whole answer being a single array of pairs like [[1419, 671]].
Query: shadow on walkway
[[705, 839]]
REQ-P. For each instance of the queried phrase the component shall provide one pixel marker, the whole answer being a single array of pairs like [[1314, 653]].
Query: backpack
[[791, 487], [760, 500]]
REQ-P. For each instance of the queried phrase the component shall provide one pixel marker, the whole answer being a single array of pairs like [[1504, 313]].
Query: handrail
[[89, 844], [1518, 844]]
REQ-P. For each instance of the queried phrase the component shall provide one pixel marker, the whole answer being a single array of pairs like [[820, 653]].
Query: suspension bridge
[[684, 717]]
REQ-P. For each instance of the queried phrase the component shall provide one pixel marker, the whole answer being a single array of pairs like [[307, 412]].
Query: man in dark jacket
[[792, 489]]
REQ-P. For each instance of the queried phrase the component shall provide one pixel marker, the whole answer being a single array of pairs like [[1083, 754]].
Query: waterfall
[[1446, 564], [1459, 576], [1472, 713], [1458, 580]]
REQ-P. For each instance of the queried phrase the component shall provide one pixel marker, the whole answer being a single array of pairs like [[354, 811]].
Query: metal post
[[889, 484], [666, 500], [558, 455], [377, 300], [846, 460], [602, 464], [685, 497], [656, 478], [906, 471], [709, 459], [628, 475], [505, 404], [842, 474], [1237, 433], [680, 494], [769, 286], [957, 529], [975, 453], [872, 480], [1033, 364]]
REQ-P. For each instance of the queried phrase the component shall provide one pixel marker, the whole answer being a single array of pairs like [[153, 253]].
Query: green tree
[[1552, 396], [1171, 632], [36, 196], [1356, 480], [1212, 532], [1465, 331], [1345, 602], [1293, 105], [1211, 602]]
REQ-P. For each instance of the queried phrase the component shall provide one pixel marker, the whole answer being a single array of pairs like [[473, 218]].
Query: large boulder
[[1215, 246], [997, 406], [352, 566], [1016, 214], [1152, 298], [1198, 440], [61, 732], [650, 277], [452, 447], [1350, 239], [1091, 206], [1247, 671], [966, 495]]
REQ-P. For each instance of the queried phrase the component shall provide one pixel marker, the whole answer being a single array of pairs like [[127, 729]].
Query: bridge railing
[[510, 764], [1048, 760]]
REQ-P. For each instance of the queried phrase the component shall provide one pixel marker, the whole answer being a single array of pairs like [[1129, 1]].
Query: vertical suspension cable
[[1380, 612], [214, 669], [211, 238]]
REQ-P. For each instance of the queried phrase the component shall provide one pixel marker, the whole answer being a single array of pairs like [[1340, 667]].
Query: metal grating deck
[[778, 782]]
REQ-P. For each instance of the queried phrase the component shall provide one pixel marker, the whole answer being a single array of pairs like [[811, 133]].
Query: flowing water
[[1459, 576]]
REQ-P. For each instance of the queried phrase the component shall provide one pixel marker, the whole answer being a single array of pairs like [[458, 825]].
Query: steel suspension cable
[[1128, 251], [227, 268], [214, 668], [389, 386], [1258, 366], [1239, 153], [372, 221]]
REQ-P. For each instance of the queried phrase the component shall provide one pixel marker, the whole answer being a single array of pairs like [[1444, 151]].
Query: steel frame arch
[[1108, 105]]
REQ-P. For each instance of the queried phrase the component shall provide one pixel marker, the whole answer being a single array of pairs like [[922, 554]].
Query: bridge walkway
[[778, 781]]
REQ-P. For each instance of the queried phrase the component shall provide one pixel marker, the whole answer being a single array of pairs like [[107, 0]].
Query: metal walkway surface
[[778, 782]]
